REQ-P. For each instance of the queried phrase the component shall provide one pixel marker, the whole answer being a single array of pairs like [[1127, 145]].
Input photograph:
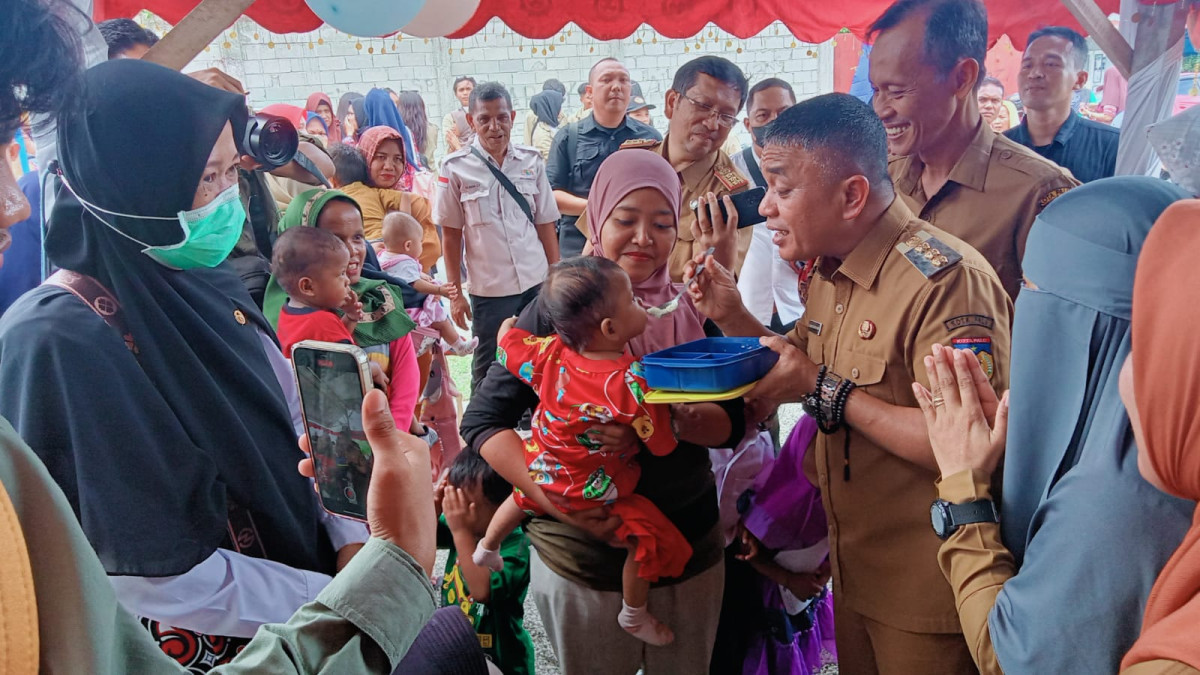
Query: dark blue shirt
[[1085, 148], [22, 268], [595, 144]]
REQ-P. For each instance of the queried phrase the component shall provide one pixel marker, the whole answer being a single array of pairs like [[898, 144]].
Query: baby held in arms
[[402, 242], [584, 376]]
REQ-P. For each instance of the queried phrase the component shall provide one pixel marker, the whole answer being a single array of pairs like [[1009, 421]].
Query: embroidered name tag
[[965, 320]]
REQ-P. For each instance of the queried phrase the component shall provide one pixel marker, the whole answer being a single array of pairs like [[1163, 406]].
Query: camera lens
[[272, 141]]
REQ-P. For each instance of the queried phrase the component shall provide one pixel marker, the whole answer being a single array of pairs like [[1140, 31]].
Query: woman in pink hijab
[[387, 166], [576, 575]]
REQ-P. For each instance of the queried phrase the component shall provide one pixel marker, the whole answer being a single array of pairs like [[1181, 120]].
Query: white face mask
[[209, 232]]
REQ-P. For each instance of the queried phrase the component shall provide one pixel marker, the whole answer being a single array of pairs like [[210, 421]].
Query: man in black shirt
[[580, 147], [1053, 69]]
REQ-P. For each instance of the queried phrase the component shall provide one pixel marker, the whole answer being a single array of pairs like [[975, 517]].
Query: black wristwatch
[[947, 517]]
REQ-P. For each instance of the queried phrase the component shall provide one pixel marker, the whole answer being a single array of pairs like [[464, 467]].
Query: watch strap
[[981, 511]]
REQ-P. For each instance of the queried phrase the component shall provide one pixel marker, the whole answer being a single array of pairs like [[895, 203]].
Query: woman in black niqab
[[151, 448]]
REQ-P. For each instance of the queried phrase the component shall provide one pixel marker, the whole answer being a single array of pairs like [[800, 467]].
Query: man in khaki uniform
[[948, 166], [885, 289], [702, 106]]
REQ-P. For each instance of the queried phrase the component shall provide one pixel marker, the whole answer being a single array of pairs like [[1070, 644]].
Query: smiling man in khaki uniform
[[949, 167], [702, 106], [886, 288]]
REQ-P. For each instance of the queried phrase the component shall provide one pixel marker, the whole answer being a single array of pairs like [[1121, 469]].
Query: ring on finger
[[938, 401]]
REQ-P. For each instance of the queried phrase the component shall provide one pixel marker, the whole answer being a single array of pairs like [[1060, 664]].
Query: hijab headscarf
[[380, 111], [312, 116], [334, 129], [368, 144], [1166, 383], [383, 304], [547, 105], [620, 174], [203, 418], [1088, 534]]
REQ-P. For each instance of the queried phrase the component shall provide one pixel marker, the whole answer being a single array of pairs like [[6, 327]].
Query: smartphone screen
[[331, 395]]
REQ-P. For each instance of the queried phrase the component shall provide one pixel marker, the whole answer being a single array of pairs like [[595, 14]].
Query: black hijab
[[547, 105], [150, 449]]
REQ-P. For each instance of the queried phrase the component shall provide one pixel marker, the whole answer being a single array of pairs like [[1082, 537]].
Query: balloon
[[368, 18], [440, 18]]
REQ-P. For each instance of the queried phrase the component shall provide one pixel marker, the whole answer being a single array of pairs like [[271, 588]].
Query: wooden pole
[[1094, 21], [195, 31]]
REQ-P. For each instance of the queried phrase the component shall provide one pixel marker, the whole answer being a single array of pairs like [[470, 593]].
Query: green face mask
[[210, 232]]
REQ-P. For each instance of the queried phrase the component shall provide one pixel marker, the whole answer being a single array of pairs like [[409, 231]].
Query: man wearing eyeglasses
[[702, 106]]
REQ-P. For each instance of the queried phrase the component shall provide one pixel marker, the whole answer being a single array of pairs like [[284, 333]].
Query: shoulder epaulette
[[928, 254], [729, 176], [645, 143]]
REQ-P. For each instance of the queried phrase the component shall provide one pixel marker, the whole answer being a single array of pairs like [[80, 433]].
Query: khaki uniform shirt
[[455, 124], [990, 200], [577, 115], [873, 319], [503, 251]]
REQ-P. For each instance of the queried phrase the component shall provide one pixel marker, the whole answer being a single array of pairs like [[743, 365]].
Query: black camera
[[272, 141]]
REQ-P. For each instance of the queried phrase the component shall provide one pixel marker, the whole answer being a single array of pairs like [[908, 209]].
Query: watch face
[[937, 515]]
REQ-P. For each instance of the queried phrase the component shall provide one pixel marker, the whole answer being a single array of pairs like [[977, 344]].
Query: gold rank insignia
[[729, 177], [928, 254], [639, 143], [1051, 196]]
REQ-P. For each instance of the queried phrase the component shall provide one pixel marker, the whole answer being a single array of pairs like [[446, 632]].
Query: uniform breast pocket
[[585, 156], [869, 372], [527, 187], [474, 204]]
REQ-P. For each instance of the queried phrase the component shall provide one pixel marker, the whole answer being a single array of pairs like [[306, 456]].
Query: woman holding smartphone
[[150, 384]]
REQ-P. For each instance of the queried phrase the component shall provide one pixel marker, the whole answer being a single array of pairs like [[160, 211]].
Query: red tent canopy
[[811, 21]]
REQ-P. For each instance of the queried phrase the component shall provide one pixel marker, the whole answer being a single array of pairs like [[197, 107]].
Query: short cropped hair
[[582, 88], [592, 70], [1079, 48], [554, 85], [300, 252], [769, 83], [463, 78], [470, 468], [489, 91], [990, 81], [954, 30], [42, 60], [578, 295], [841, 131], [121, 34], [348, 164], [722, 70]]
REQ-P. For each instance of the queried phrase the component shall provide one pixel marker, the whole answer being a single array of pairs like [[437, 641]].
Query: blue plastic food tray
[[708, 365]]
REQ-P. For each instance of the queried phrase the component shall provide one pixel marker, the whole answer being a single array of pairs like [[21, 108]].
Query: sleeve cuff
[[385, 593], [965, 486]]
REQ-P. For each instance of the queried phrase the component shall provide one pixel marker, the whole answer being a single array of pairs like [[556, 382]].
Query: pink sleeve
[[404, 381]]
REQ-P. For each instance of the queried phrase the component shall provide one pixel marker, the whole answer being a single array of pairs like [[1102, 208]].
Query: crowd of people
[[973, 312]]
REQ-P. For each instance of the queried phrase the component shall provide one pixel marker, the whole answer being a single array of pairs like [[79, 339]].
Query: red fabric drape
[[809, 20]]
